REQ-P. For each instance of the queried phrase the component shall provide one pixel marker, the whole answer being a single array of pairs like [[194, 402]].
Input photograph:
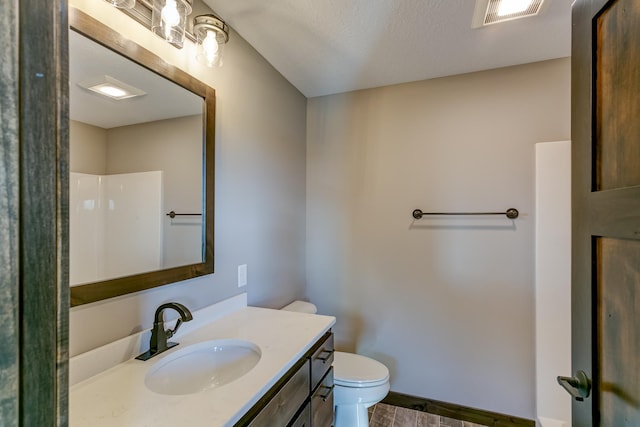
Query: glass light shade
[[122, 4], [210, 49], [211, 35], [169, 18]]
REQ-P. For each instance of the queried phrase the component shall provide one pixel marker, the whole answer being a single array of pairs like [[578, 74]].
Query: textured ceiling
[[331, 46]]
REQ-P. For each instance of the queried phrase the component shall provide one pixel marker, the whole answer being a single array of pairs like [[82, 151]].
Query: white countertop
[[119, 397]]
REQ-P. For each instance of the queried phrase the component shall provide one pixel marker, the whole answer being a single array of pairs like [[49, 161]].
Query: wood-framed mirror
[[151, 247]]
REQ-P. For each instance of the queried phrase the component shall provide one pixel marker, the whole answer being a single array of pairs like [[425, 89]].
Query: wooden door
[[606, 211]]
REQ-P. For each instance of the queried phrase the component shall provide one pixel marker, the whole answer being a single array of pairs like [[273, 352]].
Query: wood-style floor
[[383, 415]]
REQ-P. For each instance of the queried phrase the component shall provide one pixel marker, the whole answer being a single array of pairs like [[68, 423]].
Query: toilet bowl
[[359, 381]]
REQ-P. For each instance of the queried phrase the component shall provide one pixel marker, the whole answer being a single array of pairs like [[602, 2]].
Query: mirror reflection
[[136, 154]]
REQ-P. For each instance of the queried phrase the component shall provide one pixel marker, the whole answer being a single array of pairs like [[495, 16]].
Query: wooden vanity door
[[606, 210]]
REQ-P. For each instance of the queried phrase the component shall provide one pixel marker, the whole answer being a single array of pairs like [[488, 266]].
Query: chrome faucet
[[159, 336]]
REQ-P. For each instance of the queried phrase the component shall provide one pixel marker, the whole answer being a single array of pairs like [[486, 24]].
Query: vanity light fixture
[[111, 88], [122, 4], [169, 18], [489, 12], [211, 35]]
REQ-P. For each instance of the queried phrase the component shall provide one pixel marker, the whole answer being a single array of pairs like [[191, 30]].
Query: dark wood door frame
[[34, 297], [9, 200], [581, 186]]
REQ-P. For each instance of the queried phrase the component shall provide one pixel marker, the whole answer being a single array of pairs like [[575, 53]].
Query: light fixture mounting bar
[[211, 22]]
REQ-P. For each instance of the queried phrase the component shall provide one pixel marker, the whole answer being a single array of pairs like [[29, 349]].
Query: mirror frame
[[97, 291]]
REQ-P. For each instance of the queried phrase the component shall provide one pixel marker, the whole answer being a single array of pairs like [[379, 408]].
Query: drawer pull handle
[[325, 358], [325, 396]]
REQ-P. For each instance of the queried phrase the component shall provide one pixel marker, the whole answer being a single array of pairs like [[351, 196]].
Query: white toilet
[[359, 381]]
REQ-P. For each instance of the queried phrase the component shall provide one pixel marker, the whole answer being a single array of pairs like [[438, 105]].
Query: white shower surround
[[116, 225], [553, 282]]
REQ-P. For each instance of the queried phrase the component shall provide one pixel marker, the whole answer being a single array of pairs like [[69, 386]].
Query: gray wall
[[446, 304], [260, 190], [87, 148]]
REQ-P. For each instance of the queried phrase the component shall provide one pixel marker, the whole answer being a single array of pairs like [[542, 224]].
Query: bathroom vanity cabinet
[[303, 397], [291, 385]]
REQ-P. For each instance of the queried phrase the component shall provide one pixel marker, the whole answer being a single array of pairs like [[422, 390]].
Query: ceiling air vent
[[489, 12]]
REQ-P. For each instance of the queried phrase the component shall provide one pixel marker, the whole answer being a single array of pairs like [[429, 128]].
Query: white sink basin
[[202, 366]]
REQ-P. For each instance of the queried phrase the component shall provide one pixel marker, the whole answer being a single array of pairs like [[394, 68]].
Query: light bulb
[[210, 47], [509, 7], [112, 91], [170, 14]]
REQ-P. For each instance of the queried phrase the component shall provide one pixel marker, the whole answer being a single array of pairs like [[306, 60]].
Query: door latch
[[578, 386]]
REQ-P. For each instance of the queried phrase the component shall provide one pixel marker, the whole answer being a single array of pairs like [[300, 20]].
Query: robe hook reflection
[[511, 213]]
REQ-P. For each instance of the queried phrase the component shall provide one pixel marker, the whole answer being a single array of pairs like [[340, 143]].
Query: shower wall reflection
[[123, 182]]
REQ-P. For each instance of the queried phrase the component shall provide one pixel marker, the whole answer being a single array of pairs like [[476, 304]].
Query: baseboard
[[458, 412]]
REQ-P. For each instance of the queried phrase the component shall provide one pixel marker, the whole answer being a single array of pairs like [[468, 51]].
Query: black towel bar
[[511, 213], [172, 214]]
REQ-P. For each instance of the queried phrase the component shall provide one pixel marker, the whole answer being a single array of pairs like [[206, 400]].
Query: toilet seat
[[365, 384], [354, 370]]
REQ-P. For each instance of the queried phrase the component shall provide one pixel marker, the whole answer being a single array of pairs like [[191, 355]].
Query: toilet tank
[[301, 307]]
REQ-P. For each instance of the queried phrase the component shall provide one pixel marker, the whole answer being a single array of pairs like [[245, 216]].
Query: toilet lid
[[354, 370]]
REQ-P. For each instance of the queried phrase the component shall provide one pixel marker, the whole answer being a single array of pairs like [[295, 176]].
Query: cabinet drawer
[[304, 418], [322, 403], [321, 361], [286, 402]]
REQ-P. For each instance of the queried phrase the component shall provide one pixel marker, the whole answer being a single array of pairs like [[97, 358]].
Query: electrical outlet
[[242, 275]]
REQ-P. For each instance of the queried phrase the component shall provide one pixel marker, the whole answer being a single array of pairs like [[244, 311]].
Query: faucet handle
[[171, 332], [185, 316]]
